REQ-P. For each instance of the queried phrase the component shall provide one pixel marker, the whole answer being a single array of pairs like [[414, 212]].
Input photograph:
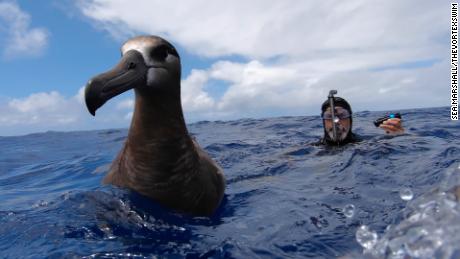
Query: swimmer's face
[[342, 126]]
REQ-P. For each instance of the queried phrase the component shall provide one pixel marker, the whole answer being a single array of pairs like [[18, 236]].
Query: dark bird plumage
[[159, 158]]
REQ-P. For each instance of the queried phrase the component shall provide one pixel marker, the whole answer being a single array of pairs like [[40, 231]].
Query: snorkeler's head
[[338, 101], [343, 120]]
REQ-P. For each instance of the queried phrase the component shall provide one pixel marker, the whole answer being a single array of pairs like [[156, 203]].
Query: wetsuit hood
[[338, 101]]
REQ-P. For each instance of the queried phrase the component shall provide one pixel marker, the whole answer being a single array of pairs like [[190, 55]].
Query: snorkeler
[[337, 122]]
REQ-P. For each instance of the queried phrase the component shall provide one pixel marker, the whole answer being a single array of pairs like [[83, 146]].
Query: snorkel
[[337, 120], [330, 97]]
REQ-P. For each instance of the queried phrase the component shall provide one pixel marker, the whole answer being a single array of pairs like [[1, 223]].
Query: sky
[[240, 59]]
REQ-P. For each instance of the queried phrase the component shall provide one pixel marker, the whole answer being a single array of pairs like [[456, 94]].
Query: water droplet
[[349, 210], [366, 237], [406, 194], [423, 245]]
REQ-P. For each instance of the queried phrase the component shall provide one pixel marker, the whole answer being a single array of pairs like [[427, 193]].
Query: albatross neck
[[157, 117], [158, 144]]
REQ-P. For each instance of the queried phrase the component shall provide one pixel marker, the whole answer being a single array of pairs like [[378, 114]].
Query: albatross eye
[[131, 65], [160, 53]]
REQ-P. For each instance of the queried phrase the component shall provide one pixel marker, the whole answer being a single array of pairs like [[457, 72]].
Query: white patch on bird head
[[143, 45]]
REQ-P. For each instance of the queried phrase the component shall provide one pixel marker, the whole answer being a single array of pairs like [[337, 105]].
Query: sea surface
[[386, 196]]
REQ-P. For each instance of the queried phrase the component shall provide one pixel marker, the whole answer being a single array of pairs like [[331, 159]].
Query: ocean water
[[386, 196]]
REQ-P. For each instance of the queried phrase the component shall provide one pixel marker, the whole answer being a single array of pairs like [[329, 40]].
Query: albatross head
[[148, 64]]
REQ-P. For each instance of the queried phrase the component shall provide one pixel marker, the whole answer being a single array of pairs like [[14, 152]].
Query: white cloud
[[125, 104], [297, 51], [194, 99], [261, 28], [258, 86], [52, 111], [39, 109], [255, 89], [38, 102], [80, 96], [20, 38]]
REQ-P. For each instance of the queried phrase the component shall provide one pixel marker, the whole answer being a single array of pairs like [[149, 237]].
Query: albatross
[[159, 158]]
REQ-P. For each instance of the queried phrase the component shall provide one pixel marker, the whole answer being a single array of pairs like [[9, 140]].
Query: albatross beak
[[126, 75]]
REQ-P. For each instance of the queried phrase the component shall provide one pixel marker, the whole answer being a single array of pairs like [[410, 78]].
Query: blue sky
[[240, 59]]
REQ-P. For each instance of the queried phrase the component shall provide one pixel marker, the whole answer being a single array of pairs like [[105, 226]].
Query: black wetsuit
[[325, 140]]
